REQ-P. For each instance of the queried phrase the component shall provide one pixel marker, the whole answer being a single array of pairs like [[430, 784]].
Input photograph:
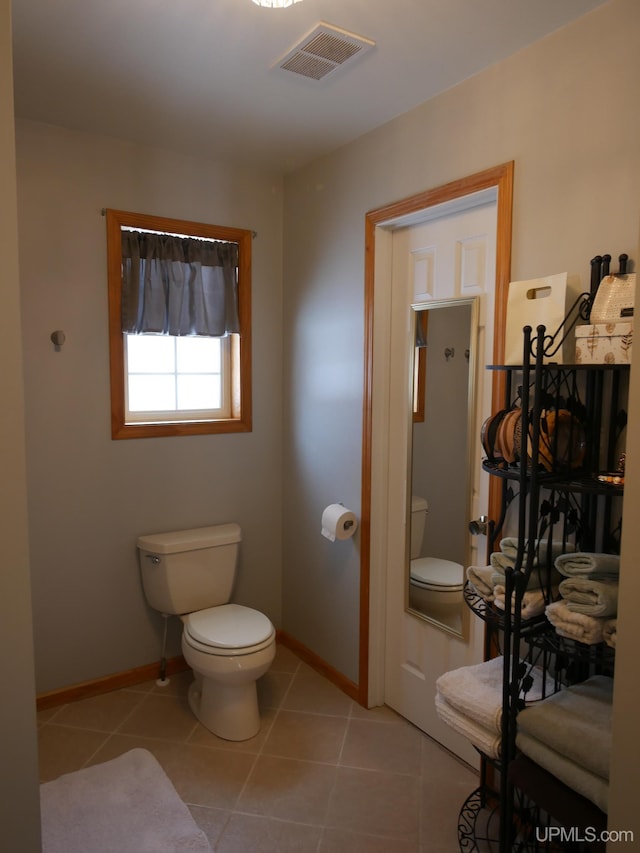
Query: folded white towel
[[541, 574], [575, 626], [539, 577], [576, 723], [476, 691], [591, 786], [594, 565], [509, 547], [594, 597], [480, 579], [610, 632], [533, 604], [488, 742]]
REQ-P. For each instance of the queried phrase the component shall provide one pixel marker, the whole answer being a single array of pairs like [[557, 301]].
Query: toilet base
[[228, 711], [420, 597]]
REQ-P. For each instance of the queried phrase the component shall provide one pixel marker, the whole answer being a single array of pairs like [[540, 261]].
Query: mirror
[[439, 499]]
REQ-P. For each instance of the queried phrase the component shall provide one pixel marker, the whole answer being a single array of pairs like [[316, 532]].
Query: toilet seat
[[229, 629], [436, 574]]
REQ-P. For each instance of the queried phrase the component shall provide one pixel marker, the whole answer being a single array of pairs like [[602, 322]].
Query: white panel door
[[449, 257]]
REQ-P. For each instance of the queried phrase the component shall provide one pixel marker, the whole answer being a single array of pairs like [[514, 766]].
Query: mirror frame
[[416, 310]]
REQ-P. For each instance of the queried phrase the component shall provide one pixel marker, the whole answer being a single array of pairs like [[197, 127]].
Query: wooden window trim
[[241, 417]]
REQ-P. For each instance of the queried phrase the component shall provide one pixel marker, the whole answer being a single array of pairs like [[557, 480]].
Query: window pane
[[199, 392], [152, 393], [150, 353], [198, 355]]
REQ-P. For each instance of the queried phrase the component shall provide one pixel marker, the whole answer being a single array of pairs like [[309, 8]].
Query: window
[[179, 326]]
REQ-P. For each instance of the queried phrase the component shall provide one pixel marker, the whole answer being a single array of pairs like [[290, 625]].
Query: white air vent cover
[[323, 50]]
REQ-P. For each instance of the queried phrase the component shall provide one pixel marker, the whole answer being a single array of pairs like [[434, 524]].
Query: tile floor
[[323, 775]]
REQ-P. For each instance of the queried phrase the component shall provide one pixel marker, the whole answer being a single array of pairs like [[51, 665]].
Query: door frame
[[376, 267]]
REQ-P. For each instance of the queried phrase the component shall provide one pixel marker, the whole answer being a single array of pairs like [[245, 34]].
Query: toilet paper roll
[[338, 522]]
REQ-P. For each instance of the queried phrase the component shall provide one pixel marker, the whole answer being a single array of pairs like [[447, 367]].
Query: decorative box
[[604, 343]]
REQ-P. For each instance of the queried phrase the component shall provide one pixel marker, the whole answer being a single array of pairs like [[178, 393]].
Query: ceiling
[[198, 76]]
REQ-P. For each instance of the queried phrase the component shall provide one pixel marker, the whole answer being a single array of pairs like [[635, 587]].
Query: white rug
[[127, 805]]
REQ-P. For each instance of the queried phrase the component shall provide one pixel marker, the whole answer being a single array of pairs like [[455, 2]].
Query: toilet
[[432, 580], [190, 573]]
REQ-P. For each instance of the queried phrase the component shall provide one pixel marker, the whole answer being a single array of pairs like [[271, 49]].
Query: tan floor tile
[[381, 713], [308, 737], [203, 737], [207, 777], [339, 841], [394, 747], [438, 761], [202, 776], [101, 713], [282, 790], [161, 716], [311, 692], [290, 790], [141, 687], [246, 833], [117, 745], [445, 787], [48, 714], [285, 660], [63, 750], [272, 688], [376, 803], [178, 684]]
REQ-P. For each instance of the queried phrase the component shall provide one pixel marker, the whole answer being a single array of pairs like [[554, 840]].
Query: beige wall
[[625, 764], [90, 497], [19, 803], [565, 110]]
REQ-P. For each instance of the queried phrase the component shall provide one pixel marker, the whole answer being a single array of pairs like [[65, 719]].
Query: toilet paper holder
[[338, 522]]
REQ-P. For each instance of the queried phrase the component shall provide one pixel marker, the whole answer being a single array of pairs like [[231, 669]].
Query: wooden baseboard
[[349, 687], [107, 683], [151, 671]]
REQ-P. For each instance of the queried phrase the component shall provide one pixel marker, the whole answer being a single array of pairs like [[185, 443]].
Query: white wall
[[19, 803], [89, 496], [565, 110]]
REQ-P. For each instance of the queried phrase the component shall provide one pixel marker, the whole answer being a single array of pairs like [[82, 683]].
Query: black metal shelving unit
[[556, 494]]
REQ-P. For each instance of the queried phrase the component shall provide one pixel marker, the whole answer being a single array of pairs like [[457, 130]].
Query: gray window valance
[[178, 285]]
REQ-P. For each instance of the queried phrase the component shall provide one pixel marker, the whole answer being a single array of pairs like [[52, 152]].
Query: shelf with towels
[[567, 423]]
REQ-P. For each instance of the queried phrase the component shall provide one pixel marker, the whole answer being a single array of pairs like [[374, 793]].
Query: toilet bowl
[[190, 573], [228, 648], [434, 581]]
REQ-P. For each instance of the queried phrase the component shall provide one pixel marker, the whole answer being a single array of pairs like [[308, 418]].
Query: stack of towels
[[489, 581], [588, 606], [569, 735], [469, 700]]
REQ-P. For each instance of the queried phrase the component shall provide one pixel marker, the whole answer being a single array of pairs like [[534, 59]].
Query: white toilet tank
[[419, 510], [189, 570]]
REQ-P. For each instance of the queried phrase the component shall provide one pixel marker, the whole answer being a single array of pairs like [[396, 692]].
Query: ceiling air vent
[[324, 50]]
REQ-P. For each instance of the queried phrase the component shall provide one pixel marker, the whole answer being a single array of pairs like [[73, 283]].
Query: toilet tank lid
[[190, 540], [419, 504]]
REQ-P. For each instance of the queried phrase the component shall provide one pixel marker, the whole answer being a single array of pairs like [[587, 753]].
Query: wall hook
[[449, 352], [57, 339]]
